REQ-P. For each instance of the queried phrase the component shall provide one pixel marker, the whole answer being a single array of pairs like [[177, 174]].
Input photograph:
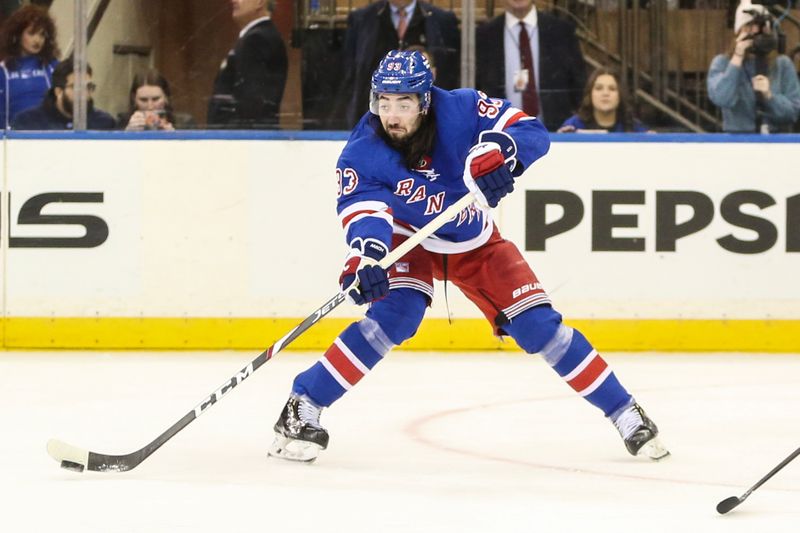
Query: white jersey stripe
[[411, 283], [501, 123], [441, 246], [335, 373], [351, 356], [362, 206], [527, 303], [515, 308], [583, 364], [596, 383]]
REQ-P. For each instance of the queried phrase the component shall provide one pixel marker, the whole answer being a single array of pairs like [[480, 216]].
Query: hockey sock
[[362, 345], [579, 364], [351, 356]]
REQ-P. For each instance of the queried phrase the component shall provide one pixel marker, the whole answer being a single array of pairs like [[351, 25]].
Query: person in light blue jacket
[[29, 52], [756, 88]]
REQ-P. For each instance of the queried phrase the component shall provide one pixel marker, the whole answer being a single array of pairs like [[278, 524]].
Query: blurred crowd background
[[219, 64]]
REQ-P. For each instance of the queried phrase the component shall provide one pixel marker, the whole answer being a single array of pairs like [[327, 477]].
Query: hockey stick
[[78, 459], [729, 503]]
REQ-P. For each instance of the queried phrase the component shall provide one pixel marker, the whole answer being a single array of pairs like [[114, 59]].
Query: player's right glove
[[363, 280], [489, 167]]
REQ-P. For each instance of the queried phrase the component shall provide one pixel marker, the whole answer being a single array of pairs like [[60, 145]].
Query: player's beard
[[400, 134], [420, 143]]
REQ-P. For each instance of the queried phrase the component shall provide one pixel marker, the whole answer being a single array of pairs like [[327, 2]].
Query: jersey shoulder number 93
[[347, 181], [488, 107]]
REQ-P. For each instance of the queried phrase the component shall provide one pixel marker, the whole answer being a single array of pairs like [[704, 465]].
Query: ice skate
[[639, 433], [298, 435]]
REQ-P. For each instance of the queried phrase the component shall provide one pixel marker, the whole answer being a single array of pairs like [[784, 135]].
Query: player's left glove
[[362, 279], [491, 167]]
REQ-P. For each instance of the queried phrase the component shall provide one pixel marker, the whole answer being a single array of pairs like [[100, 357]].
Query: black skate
[[639, 433], [298, 435]]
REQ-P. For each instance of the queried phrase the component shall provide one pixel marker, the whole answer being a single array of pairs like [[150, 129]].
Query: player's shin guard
[[579, 364], [351, 356], [361, 346], [298, 433], [566, 350]]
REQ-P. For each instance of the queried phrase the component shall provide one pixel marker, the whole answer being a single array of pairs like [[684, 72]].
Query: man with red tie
[[534, 60], [386, 25]]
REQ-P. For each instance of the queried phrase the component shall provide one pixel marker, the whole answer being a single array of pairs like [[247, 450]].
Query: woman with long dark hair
[[30, 54], [604, 107], [150, 106]]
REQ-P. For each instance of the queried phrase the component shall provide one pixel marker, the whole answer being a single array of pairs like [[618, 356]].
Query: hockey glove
[[362, 280], [492, 166]]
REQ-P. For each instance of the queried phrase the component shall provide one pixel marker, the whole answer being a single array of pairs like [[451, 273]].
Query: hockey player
[[418, 150]]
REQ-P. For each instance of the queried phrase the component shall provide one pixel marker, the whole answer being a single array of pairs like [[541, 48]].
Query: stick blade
[[727, 504], [68, 456]]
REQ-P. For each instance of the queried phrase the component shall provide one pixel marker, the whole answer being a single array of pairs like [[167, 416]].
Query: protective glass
[[322, 88]]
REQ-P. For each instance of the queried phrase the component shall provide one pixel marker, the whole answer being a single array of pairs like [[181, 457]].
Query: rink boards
[[212, 242]]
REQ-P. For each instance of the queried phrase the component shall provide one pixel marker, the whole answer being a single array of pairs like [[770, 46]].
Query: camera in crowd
[[153, 119], [769, 36]]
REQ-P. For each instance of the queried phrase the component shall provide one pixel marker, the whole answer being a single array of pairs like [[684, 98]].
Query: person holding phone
[[150, 107]]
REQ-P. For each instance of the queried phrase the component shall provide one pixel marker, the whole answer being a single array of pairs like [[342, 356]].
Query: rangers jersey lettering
[[379, 195]]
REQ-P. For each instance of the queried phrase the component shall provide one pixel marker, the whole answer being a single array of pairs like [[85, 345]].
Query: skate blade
[[653, 449], [294, 450]]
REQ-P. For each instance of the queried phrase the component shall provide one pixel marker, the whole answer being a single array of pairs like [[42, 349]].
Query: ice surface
[[425, 443]]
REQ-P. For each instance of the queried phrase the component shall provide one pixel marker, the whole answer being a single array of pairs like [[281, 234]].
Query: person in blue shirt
[[604, 107], [418, 150], [29, 51]]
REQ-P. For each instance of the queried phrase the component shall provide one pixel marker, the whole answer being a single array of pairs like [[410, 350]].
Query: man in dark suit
[[387, 25], [545, 78], [249, 87]]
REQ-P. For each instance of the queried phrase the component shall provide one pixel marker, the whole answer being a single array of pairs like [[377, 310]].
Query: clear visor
[[381, 105]]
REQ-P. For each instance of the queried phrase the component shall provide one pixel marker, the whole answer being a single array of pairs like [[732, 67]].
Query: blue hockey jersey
[[379, 195], [23, 87]]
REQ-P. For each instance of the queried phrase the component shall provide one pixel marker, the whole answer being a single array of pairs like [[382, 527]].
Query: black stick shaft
[[774, 471], [119, 463]]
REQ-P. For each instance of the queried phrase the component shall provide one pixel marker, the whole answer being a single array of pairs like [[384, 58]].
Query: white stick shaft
[[427, 230]]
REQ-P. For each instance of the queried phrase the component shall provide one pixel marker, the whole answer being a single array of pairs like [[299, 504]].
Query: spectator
[[540, 70], [249, 87], [150, 105], [756, 87], [29, 51], [374, 30], [55, 111], [604, 107]]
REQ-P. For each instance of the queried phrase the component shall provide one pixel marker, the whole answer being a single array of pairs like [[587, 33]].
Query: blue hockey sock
[[579, 364], [351, 356], [362, 345]]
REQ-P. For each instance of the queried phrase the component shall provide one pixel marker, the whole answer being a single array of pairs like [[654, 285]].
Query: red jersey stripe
[[346, 220], [514, 119]]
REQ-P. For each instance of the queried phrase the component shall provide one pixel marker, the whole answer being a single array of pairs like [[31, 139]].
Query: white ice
[[426, 443]]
